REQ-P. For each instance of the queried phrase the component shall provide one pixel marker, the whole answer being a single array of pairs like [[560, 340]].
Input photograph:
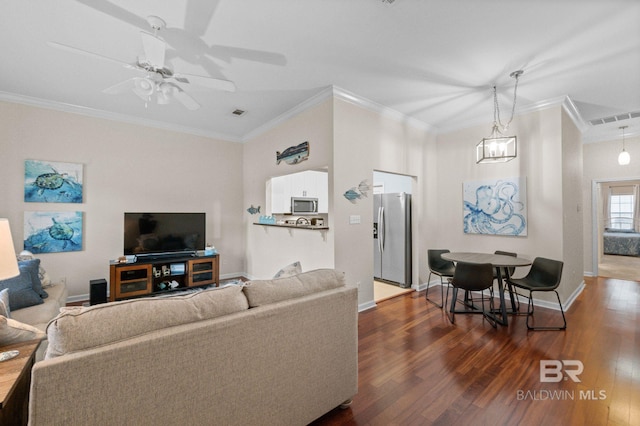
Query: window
[[621, 209]]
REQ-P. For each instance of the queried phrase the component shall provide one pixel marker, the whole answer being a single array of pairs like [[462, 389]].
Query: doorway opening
[[392, 234], [616, 228]]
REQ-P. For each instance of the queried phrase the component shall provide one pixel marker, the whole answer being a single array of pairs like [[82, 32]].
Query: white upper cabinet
[[308, 184]]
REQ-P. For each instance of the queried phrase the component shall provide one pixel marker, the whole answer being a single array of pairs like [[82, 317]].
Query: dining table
[[499, 261]]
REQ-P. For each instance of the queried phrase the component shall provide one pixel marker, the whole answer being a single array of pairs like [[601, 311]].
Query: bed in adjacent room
[[621, 242]]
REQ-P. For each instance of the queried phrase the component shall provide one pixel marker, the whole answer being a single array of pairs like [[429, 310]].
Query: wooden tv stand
[[153, 276]]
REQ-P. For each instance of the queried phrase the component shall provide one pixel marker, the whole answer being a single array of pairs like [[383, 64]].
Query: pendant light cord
[[496, 105]]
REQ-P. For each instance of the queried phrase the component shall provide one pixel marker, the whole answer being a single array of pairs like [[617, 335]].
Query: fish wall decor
[[253, 210], [293, 154], [355, 193]]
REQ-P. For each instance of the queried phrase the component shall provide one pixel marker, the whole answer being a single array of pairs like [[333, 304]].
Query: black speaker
[[97, 291]]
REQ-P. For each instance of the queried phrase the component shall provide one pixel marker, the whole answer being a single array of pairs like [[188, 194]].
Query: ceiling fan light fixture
[[498, 148], [145, 86]]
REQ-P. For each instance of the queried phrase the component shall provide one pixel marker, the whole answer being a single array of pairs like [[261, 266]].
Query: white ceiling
[[432, 60]]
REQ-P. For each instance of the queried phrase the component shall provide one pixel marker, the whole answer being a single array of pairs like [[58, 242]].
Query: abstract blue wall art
[[495, 207], [52, 182], [51, 232]]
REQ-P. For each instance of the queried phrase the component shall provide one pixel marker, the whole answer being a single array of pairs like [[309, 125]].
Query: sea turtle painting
[[49, 182], [50, 232]]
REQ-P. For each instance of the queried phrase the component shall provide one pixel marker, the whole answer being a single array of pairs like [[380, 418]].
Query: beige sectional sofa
[[272, 352]]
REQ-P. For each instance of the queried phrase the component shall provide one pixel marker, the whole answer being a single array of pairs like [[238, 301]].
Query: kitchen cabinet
[[308, 184]]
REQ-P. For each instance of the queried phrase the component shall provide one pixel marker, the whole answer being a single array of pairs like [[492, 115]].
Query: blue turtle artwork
[[51, 232], [253, 210], [356, 193], [52, 182], [293, 154]]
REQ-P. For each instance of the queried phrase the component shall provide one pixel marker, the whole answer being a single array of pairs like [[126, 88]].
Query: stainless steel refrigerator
[[392, 238]]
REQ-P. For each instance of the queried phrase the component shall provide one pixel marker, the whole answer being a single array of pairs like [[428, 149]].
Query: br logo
[[553, 371]]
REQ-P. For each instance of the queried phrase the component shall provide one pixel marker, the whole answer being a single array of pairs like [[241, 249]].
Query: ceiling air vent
[[614, 118], [238, 112]]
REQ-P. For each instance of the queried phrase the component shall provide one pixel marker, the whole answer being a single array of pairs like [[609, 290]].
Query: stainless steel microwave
[[300, 205]]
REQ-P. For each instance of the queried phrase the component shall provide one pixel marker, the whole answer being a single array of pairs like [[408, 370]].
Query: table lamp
[[8, 267], [8, 261]]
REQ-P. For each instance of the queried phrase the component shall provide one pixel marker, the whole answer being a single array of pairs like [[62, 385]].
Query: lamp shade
[[624, 158], [8, 261]]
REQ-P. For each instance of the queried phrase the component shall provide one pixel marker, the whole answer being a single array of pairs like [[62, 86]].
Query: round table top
[[497, 260]]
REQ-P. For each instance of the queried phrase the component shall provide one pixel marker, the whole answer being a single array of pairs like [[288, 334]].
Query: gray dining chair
[[473, 277], [440, 267], [544, 275]]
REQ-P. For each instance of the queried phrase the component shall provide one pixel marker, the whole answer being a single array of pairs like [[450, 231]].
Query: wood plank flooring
[[415, 368]]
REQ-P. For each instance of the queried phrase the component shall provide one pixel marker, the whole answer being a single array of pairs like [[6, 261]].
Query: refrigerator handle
[[381, 229]]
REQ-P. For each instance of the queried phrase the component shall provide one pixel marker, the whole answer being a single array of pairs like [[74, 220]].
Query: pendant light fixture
[[498, 148], [624, 158]]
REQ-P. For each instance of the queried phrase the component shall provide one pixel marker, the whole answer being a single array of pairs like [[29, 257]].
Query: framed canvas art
[[495, 207], [52, 182], [51, 232]]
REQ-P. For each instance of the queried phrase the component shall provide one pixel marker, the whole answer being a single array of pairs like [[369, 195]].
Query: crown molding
[[96, 113], [313, 101], [347, 96]]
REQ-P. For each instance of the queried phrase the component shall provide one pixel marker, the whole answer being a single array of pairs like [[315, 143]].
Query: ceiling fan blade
[[186, 100], [117, 12], [198, 16], [209, 82], [120, 87], [154, 49], [90, 54]]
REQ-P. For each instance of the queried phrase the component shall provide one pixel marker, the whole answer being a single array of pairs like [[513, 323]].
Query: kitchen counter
[[286, 225]]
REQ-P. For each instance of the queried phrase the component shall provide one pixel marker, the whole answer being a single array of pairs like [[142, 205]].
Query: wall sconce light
[[498, 148], [624, 158]]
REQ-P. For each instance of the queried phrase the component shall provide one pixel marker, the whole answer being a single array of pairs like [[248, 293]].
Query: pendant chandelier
[[498, 148], [624, 158]]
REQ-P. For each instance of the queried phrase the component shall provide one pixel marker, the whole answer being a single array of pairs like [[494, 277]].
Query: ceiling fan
[[156, 81]]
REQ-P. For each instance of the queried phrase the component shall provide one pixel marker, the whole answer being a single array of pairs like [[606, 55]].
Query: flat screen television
[[148, 234]]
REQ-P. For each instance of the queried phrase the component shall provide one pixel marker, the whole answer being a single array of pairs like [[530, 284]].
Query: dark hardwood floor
[[415, 368]]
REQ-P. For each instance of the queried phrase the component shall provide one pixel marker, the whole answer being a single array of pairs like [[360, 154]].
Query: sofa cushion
[[80, 328], [12, 331], [263, 292], [21, 293], [40, 315], [5, 309]]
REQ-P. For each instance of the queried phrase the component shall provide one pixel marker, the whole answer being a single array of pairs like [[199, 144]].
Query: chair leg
[[488, 315], [530, 314], [426, 294], [452, 310]]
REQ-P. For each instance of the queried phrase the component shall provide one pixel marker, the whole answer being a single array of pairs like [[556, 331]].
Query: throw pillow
[[21, 293], [4, 303], [45, 279], [12, 331], [264, 292], [34, 266], [289, 270]]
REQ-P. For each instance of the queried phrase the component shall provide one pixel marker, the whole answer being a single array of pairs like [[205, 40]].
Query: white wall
[[126, 168], [540, 160], [269, 248], [600, 165], [365, 141]]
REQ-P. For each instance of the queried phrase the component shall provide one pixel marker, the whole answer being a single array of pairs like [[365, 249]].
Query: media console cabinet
[[153, 276]]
